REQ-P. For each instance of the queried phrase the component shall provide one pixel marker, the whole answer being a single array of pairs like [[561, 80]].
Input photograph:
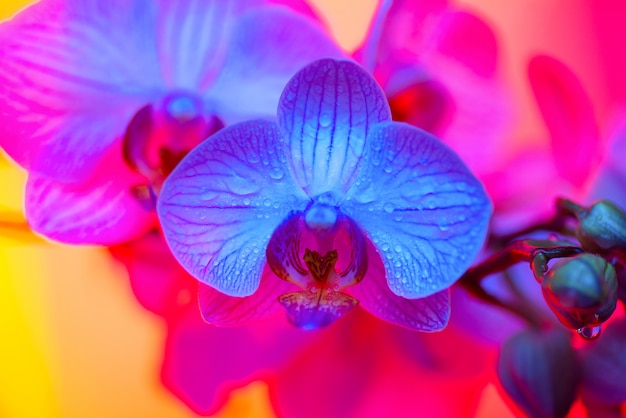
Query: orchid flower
[[99, 100], [342, 204]]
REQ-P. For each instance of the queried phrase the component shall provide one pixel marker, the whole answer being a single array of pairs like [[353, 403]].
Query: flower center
[[162, 133], [320, 267], [321, 251]]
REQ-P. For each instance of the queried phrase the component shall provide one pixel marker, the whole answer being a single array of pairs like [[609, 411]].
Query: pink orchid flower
[[99, 100], [438, 65], [359, 367]]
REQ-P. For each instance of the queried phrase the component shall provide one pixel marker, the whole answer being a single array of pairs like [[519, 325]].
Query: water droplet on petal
[[590, 333], [325, 121], [388, 207], [277, 173]]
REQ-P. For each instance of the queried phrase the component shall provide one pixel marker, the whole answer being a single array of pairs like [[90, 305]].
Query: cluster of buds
[[581, 270]]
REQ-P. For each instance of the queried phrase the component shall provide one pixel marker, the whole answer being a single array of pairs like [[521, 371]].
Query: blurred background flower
[[76, 342]]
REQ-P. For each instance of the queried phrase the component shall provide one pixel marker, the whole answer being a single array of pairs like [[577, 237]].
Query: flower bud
[[602, 227], [539, 370], [581, 290]]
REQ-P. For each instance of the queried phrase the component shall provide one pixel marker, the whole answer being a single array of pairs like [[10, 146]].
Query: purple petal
[[569, 117], [425, 314], [267, 48], [326, 111], [540, 371], [71, 78], [604, 365], [421, 206], [105, 210], [224, 311], [221, 204]]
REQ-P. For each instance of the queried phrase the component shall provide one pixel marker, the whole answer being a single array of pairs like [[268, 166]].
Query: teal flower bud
[[581, 290], [602, 227], [540, 372]]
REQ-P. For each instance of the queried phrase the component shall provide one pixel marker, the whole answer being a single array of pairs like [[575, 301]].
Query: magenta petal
[[68, 87], [331, 377], [221, 204], [224, 311], [265, 51], [203, 363], [467, 39], [159, 283], [425, 314], [105, 210], [569, 117], [326, 111]]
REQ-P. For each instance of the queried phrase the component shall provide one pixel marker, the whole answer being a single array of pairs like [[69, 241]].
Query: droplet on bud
[[590, 333], [581, 290]]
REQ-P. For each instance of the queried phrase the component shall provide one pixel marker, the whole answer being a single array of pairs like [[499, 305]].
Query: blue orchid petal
[[269, 45], [72, 76], [221, 204], [426, 314], [326, 111], [423, 209]]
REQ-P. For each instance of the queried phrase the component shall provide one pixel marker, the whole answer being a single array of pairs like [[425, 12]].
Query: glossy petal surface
[[221, 204], [425, 314], [326, 111], [267, 47], [68, 85], [223, 310], [422, 208], [107, 209]]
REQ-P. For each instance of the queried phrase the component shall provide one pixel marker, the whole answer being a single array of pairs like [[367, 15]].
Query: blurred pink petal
[[203, 363], [157, 280], [68, 87], [113, 206], [569, 117]]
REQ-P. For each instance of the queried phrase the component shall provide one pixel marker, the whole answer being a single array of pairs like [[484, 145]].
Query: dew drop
[[246, 201], [590, 333], [388, 207], [398, 248], [277, 173], [325, 120]]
